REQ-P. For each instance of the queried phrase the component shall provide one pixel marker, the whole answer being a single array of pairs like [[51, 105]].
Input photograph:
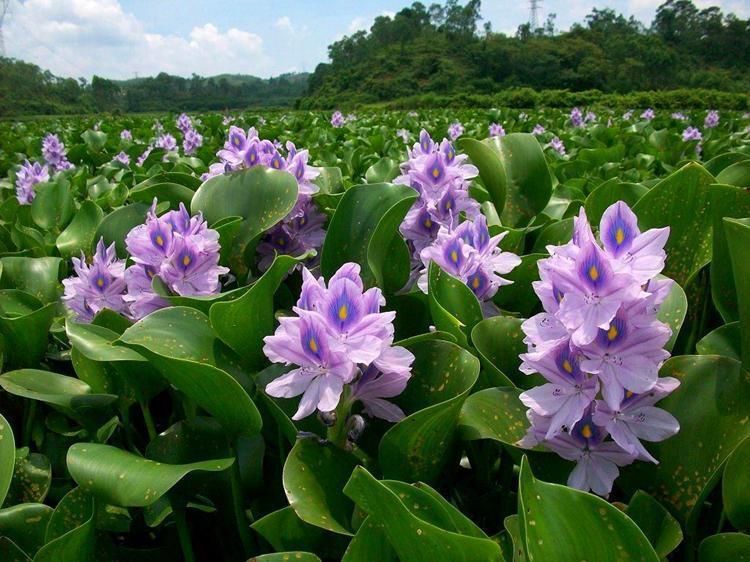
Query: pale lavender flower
[[590, 117], [227, 120], [122, 158], [339, 337], [628, 115], [679, 116], [184, 123], [192, 141], [648, 115], [54, 154], [167, 142], [27, 177], [350, 118], [711, 120], [404, 134], [97, 286], [142, 158], [538, 129], [337, 119], [576, 117], [126, 135], [557, 145], [455, 130], [497, 130], [300, 232]]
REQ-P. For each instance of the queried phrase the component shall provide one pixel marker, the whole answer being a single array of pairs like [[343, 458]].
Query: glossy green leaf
[[491, 170], [314, 477], [284, 530], [494, 413], [691, 233], [413, 538], [738, 237], [174, 193], [353, 226], [244, 322], [726, 201], [370, 543], [32, 478], [71, 530], [25, 525], [520, 296], [672, 312], [737, 174], [562, 523], [555, 233], [95, 140], [711, 406], [53, 205], [611, 192], [725, 547], [36, 276], [78, 236], [11, 552], [7, 457], [122, 478], [661, 529], [24, 325], [116, 225], [69, 393], [499, 341], [454, 307], [736, 487], [528, 181], [187, 360], [420, 445], [384, 170], [286, 557], [724, 340]]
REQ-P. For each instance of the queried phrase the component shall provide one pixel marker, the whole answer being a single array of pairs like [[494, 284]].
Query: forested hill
[[25, 89], [446, 50]]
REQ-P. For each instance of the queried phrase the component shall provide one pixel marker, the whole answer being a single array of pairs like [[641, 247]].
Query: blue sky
[[122, 38]]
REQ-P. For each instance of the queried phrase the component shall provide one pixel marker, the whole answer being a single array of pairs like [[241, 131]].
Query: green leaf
[[412, 537], [690, 236], [71, 531], [736, 487], [284, 530], [360, 213], [32, 478], [68, 393], [672, 312], [10, 552], [726, 201], [314, 475], [24, 325], [520, 296], [122, 478], [174, 193], [725, 547], [737, 174], [738, 236], [556, 233], [494, 413], [244, 322], [528, 180], [7, 457], [491, 170], [370, 543], [711, 407], [53, 205], [724, 340], [611, 192], [384, 170], [25, 525], [661, 529], [116, 225], [186, 359], [36, 276], [95, 140], [454, 307], [286, 557], [561, 523], [79, 235], [499, 341], [420, 445]]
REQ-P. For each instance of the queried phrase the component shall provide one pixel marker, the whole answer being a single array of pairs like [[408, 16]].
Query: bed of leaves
[[155, 440]]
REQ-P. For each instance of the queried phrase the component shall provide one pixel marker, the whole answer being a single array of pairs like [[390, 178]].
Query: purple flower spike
[[28, 176], [648, 115], [576, 117], [455, 130], [126, 135], [712, 119], [538, 130], [97, 286], [55, 154], [337, 119], [692, 134], [339, 337], [496, 130]]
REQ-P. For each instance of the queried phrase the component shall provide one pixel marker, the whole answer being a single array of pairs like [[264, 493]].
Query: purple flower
[[184, 123], [167, 142], [538, 129], [142, 158], [122, 158], [337, 119], [691, 134], [27, 177], [599, 336], [496, 130], [590, 117], [557, 145], [679, 116], [455, 130], [192, 141], [227, 120], [54, 154], [339, 337], [300, 232], [648, 115], [576, 117], [97, 286], [126, 135], [711, 120], [181, 250]]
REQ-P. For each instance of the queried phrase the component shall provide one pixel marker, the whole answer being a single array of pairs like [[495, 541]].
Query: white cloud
[[86, 37], [284, 23], [357, 24]]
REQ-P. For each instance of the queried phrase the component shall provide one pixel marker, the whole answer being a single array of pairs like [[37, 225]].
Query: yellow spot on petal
[[593, 273], [186, 260], [475, 283], [436, 172], [586, 431], [628, 394], [619, 236], [100, 282], [567, 366], [454, 256], [159, 240], [428, 223], [612, 333], [343, 312], [313, 345]]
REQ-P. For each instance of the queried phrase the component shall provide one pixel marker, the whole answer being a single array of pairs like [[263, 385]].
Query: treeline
[[25, 89], [442, 50]]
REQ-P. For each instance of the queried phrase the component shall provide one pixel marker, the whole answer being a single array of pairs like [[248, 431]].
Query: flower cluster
[[339, 339], [179, 249], [191, 139], [576, 117], [599, 345], [455, 130], [497, 130], [54, 154], [679, 116], [648, 115], [712, 119], [337, 119], [590, 117], [27, 177], [692, 134], [167, 142], [122, 158], [302, 229], [538, 129], [441, 177], [557, 145], [469, 254], [126, 135]]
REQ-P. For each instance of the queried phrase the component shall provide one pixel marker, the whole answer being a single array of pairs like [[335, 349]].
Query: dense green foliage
[[25, 89], [440, 50], [156, 440]]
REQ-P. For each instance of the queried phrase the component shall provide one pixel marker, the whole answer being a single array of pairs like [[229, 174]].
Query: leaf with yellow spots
[[7, 457]]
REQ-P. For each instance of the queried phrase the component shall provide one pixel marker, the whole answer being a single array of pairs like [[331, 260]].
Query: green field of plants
[[467, 335]]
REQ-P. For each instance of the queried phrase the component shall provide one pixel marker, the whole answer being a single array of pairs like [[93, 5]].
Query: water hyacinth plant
[[388, 345]]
